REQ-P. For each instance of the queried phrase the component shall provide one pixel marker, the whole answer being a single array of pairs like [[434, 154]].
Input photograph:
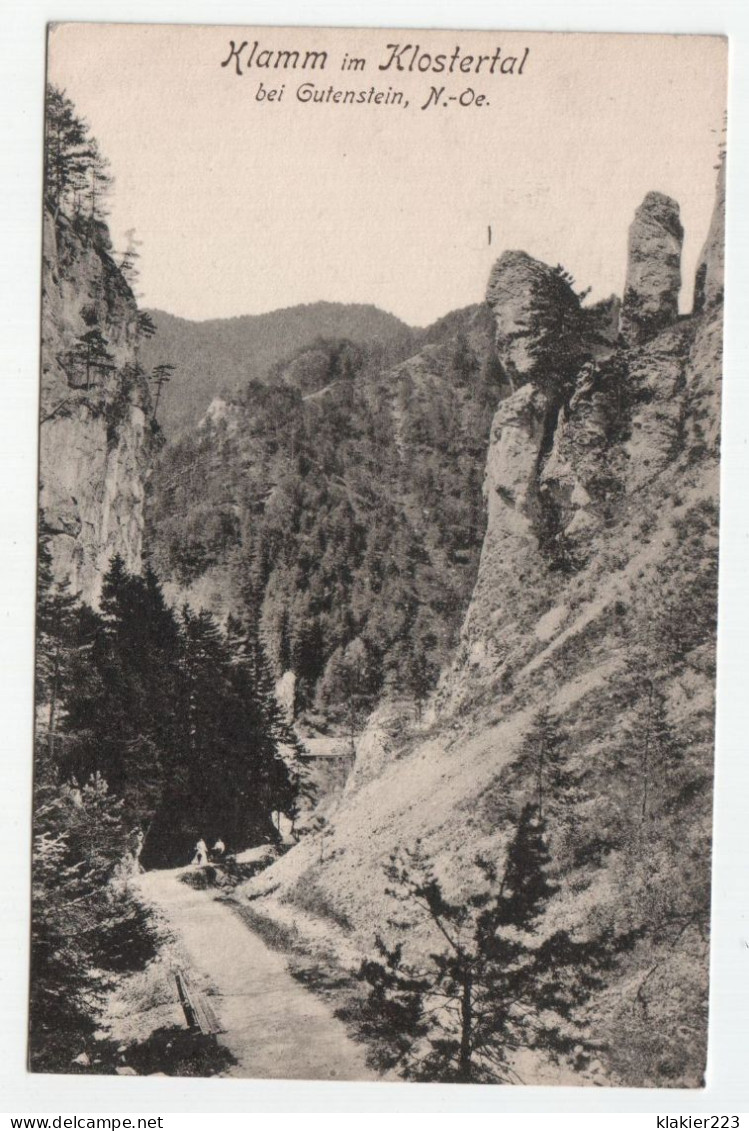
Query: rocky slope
[[96, 438], [596, 600]]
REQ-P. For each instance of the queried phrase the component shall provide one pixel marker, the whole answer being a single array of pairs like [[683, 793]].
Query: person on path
[[219, 847], [201, 853]]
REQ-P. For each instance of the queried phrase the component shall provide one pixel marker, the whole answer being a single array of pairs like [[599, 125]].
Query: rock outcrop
[[95, 434], [651, 290]]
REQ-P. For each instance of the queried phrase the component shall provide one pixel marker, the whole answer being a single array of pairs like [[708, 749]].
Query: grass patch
[[311, 898]]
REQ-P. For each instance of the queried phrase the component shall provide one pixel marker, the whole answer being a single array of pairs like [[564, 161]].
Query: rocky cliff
[[95, 431], [595, 602]]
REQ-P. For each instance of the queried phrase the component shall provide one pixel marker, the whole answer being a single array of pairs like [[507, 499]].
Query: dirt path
[[271, 1024]]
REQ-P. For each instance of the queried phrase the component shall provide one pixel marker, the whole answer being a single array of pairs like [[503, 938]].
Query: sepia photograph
[[377, 568]]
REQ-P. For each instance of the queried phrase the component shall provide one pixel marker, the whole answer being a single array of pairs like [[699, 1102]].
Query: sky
[[245, 205]]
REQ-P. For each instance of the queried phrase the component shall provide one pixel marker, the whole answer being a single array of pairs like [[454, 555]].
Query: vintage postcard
[[378, 545]]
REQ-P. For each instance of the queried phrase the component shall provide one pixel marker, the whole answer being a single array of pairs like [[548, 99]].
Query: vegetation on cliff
[[496, 986]]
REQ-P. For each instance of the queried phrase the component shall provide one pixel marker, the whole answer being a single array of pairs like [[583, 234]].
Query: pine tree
[[557, 342], [123, 714], [646, 745], [58, 638], [65, 152], [76, 173], [89, 359], [557, 788], [231, 774], [146, 325], [497, 985], [161, 376], [99, 183], [81, 929], [348, 684]]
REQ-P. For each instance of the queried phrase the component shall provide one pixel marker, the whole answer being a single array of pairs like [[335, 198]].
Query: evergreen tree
[[76, 173], [89, 359], [146, 325], [347, 686], [161, 376], [98, 184], [65, 152], [546, 748], [231, 774], [83, 927], [558, 342], [123, 713], [58, 639]]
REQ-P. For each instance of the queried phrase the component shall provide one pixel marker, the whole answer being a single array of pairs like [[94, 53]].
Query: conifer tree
[[89, 359], [99, 182], [546, 747], [76, 173], [123, 714], [557, 342], [81, 927]]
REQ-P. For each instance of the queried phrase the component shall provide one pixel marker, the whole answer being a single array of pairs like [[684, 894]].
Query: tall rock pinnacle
[[708, 283], [651, 292]]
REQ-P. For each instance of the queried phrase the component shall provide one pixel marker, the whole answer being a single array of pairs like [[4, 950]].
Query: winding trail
[[274, 1027]]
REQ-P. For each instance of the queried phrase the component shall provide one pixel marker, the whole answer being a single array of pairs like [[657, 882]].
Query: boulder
[[651, 292]]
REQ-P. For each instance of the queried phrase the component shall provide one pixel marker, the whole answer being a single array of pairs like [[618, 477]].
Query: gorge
[[452, 544]]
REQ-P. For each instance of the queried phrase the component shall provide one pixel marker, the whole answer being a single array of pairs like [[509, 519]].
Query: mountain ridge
[[216, 357]]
